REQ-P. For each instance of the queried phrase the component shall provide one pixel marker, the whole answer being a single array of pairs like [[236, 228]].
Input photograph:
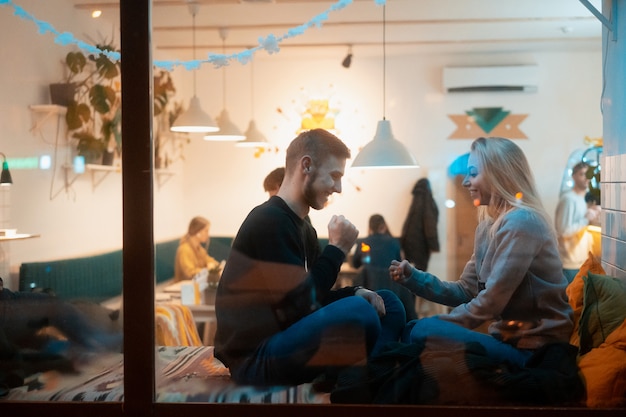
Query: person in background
[[192, 256], [514, 279], [419, 236], [279, 320], [273, 180], [374, 254], [573, 215]]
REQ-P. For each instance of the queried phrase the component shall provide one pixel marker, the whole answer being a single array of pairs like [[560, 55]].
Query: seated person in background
[[375, 253], [278, 320], [513, 280], [192, 256]]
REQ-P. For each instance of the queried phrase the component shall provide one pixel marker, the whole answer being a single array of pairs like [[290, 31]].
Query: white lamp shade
[[254, 137], [384, 151], [228, 131], [194, 120]]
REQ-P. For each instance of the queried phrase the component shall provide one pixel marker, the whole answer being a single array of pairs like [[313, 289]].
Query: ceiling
[[411, 26]]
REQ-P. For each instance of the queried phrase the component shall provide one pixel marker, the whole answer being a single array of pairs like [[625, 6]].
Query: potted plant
[[93, 114]]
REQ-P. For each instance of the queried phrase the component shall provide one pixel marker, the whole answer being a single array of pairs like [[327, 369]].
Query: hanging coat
[[419, 233]]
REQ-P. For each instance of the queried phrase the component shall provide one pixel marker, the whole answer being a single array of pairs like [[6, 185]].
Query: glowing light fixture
[[384, 151], [254, 137], [228, 131], [5, 177], [194, 119]]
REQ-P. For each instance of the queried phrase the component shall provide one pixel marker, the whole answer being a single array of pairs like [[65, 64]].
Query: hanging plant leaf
[[77, 115], [102, 98]]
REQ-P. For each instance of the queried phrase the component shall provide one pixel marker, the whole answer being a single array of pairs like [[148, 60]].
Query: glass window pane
[[61, 258]]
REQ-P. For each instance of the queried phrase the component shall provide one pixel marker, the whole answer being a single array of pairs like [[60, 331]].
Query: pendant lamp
[[254, 137], [384, 151], [5, 178], [194, 119], [228, 131]]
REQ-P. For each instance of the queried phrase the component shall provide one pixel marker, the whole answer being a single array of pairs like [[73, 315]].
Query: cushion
[[604, 371], [575, 291], [603, 311]]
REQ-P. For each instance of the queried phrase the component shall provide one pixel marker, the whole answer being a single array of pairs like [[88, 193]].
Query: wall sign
[[487, 121]]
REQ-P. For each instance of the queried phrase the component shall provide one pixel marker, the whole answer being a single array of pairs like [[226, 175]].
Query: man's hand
[[342, 233], [374, 299]]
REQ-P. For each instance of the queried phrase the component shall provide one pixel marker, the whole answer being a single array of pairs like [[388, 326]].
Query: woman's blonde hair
[[506, 170]]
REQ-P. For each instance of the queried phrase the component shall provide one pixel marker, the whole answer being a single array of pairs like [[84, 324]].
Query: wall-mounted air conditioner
[[490, 78]]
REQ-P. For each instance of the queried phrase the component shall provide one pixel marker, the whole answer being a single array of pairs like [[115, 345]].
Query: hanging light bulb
[[228, 131], [194, 119], [254, 137], [384, 151]]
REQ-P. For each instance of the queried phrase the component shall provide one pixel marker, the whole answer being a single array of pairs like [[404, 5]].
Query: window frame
[[138, 269]]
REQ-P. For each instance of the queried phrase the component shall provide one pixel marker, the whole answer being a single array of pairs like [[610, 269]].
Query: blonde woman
[[192, 256], [514, 279]]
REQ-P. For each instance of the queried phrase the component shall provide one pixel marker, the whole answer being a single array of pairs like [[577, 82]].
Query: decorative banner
[[270, 43], [487, 121]]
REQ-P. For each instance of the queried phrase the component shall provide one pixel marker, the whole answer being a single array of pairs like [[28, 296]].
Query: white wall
[[223, 182]]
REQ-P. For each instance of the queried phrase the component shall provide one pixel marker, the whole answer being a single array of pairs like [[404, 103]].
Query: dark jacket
[[419, 233]]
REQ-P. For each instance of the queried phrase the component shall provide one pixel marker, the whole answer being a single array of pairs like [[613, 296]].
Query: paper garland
[[270, 43]]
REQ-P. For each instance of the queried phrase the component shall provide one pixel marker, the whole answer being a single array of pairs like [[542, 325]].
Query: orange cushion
[[575, 292], [604, 371]]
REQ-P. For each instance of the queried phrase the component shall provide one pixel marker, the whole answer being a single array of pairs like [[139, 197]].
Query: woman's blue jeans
[[432, 328], [340, 334]]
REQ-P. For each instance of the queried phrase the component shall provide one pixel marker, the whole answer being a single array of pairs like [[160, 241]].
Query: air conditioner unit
[[489, 79]]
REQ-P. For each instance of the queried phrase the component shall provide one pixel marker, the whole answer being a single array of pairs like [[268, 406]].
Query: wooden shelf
[[46, 111]]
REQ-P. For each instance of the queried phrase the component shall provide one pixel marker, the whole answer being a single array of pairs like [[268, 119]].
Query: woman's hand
[[400, 271], [374, 299]]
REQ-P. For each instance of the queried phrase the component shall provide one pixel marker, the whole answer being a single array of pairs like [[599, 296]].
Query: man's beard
[[310, 195]]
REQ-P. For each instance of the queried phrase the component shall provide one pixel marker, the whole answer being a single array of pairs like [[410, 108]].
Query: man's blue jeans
[[434, 328], [340, 334]]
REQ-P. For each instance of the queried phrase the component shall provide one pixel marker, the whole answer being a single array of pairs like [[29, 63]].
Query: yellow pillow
[[575, 291], [604, 371]]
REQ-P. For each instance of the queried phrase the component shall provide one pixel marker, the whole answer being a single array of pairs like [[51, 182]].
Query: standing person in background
[[279, 320], [419, 233], [514, 279], [573, 215], [374, 254], [192, 256]]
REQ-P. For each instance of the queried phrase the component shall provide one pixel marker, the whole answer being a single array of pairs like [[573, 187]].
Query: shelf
[[47, 111], [100, 172]]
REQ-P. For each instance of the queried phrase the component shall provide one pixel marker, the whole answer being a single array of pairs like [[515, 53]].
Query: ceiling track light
[[347, 61]]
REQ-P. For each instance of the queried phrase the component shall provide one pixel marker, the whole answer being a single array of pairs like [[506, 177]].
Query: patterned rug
[[184, 374]]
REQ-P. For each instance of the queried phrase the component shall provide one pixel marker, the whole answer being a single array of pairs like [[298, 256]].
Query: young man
[[573, 215], [278, 321]]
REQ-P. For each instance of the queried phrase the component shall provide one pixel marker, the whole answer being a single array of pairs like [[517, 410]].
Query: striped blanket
[[184, 374]]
